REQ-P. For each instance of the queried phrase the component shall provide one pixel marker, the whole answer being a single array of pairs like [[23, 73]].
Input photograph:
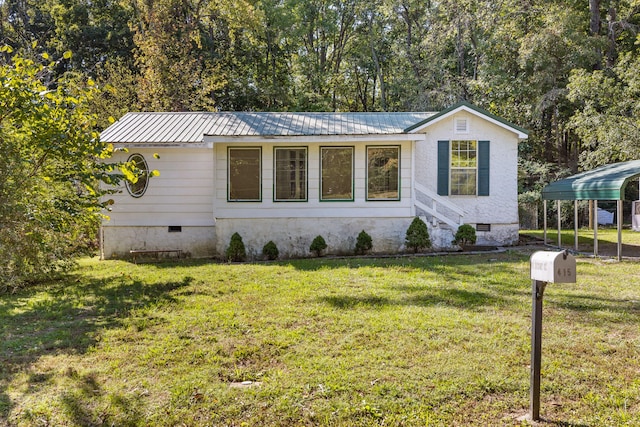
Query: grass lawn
[[400, 341], [607, 240]]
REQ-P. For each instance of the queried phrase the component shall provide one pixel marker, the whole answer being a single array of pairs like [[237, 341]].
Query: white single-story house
[[288, 177]]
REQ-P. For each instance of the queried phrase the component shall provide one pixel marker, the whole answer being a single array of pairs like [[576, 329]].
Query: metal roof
[[603, 183], [191, 127]]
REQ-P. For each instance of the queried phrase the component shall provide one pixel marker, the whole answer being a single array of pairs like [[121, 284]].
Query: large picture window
[[244, 174], [290, 174], [383, 173], [336, 173], [464, 167]]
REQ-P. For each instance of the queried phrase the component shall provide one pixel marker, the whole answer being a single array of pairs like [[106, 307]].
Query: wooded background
[[565, 70]]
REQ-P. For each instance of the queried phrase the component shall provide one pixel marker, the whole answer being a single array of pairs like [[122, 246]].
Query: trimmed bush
[[270, 250], [466, 235], [363, 243], [318, 245], [417, 237], [236, 251]]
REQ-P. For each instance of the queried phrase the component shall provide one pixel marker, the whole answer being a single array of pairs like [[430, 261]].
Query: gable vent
[[461, 126]]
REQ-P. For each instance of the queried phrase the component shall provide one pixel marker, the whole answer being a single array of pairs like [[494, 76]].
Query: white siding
[[500, 208], [181, 195], [313, 207]]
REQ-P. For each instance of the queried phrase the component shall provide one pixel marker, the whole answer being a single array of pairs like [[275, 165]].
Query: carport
[[603, 183]]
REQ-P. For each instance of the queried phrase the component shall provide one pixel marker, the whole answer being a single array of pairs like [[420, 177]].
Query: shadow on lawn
[[66, 318], [458, 298]]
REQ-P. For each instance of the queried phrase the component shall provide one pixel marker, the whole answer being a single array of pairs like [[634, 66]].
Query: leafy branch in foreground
[[54, 171]]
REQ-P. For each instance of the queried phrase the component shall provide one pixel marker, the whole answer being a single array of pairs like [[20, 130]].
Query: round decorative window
[[137, 189]]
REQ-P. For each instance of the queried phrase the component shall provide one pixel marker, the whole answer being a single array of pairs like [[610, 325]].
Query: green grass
[[400, 341], [607, 240]]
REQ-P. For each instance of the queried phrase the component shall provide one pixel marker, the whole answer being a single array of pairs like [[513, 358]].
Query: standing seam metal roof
[[191, 127]]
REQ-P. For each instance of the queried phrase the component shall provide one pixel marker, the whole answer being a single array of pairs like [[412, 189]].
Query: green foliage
[[565, 71], [417, 237], [270, 250], [608, 121], [236, 251], [52, 169], [466, 235], [318, 245], [363, 243]]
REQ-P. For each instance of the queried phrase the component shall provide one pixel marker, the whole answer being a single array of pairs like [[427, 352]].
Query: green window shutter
[[443, 168], [483, 168]]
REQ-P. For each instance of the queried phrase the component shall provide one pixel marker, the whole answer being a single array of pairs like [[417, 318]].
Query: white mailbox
[[553, 267]]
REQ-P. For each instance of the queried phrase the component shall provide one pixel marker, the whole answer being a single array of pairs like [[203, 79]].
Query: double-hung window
[[464, 168], [245, 170], [290, 173], [336, 173], [383, 173]]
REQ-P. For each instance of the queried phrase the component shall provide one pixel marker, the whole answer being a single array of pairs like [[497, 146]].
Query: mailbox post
[[546, 267]]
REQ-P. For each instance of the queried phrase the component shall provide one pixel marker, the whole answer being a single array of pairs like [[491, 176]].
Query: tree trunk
[[594, 29]]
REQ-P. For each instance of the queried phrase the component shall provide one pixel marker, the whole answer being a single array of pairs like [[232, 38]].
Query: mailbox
[[546, 267], [553, 267]]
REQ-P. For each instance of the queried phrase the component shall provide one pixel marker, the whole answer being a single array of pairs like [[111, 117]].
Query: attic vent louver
[[461, 125]]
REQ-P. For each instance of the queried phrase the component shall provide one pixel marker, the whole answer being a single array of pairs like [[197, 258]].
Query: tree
[[608, 119], [51, 168], [174, 73]]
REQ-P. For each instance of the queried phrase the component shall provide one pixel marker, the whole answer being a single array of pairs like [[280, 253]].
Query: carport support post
[[595, 227], [559, 225], [619, 215], [575, 223], [544, 205], [536, 347]]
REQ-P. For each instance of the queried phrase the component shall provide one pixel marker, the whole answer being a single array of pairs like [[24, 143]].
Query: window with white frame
[[244, 169], [383, 173], [336, 173], [464, 167], [290, 174]]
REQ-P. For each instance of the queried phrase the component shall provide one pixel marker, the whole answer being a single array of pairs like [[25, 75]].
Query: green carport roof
[[603, 183]]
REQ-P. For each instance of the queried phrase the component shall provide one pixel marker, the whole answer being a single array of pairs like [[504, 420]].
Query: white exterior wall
[[293, 225], [293, 236], [191, 192], [181, 196], [196, 242], [313, 207], [500, 208]]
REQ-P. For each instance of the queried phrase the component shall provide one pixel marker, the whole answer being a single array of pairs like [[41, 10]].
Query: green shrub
[[236, 251], [417, 237], [270, 250], [466, 235], [363, 243], [318, 245]]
